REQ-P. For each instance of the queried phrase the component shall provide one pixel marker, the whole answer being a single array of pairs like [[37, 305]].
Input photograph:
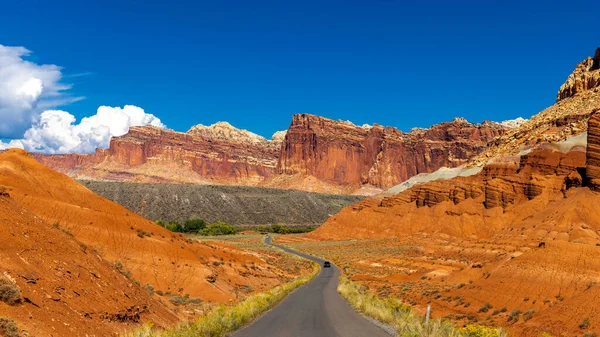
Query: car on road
[[326, 264]]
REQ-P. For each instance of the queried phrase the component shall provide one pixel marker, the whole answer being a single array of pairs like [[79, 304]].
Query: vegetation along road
[[314, 310]]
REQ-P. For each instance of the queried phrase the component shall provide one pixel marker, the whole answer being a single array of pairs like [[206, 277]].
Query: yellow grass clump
[[224, 319], [393, 312]]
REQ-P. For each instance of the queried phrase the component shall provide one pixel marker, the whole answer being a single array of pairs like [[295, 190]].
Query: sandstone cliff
[[345, 154], [316, 154], [148, 154], [592, 171]]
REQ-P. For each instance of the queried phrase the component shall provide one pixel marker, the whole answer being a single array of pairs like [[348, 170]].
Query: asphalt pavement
[[314, 310]]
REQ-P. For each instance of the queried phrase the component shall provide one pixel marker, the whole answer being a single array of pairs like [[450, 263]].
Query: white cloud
[[26, 89], [56, 131]]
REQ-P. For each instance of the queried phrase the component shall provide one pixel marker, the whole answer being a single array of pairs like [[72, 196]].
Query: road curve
[[314, 310]]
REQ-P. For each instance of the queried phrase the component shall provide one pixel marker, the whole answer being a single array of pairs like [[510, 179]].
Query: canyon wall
[[325, 155], [381, 156], [148, 154]]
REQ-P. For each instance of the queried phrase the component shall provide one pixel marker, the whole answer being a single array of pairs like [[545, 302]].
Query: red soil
[[484, 231], [74, 282]]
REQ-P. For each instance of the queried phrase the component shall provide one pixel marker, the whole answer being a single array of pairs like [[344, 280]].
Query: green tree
[[276, 228], [174, 227], [161, 223], [218, 228], [194, 225]]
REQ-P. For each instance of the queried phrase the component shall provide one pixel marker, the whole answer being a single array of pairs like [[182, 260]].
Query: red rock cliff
[[156, 155], [335, 153], [343, 153]]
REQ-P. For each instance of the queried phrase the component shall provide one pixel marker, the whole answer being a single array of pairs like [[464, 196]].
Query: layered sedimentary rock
[[593, 151], [585, 77], [504, 187], [381, 156], [156, 155], [322, 155], [480, 205]]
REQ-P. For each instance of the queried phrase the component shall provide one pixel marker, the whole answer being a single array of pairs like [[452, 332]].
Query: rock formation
[[204, 155], [592, 170], [69, 250], [325, 155], [585, 77], [381, 156]]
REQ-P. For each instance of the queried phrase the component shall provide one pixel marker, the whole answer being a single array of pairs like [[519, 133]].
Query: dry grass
[[224, 320], [393, 312]]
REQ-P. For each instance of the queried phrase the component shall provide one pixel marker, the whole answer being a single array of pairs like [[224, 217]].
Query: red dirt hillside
[[153, 254], [66, 289], [523, 235]]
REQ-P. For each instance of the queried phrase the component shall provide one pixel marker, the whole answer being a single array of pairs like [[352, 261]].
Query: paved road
[[313, 310]]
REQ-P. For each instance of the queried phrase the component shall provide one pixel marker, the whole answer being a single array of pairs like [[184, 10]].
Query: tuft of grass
[[584, 324], [393, 312], [223, 319], [8, 327], [9, 291], [121, 268]]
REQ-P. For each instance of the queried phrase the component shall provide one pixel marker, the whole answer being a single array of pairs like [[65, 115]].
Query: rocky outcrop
[[585, 77], [226, 132], [482, 205], [322, 155], [592, 170], [155, 155], [381, 156], [502, 187]]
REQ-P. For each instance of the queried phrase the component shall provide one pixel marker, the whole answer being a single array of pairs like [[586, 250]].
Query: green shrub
[[194, 225], [218, 228], [161, 223], [174, 227], [280, 229]]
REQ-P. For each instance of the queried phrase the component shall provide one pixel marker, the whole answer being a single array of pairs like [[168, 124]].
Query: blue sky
[[255, 63]]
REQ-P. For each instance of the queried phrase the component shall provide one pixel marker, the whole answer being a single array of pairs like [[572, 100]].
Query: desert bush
[[8, 327], [527, 315], [142, 234], [161, 223], [121, 268], [149, 289], [223, 319], [218, 228], [485, 308], [9, 291], [514, 315], [584, 324], [184, 300]]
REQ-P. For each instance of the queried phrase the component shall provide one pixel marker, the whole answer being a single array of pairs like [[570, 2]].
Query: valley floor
[[527, 289]]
